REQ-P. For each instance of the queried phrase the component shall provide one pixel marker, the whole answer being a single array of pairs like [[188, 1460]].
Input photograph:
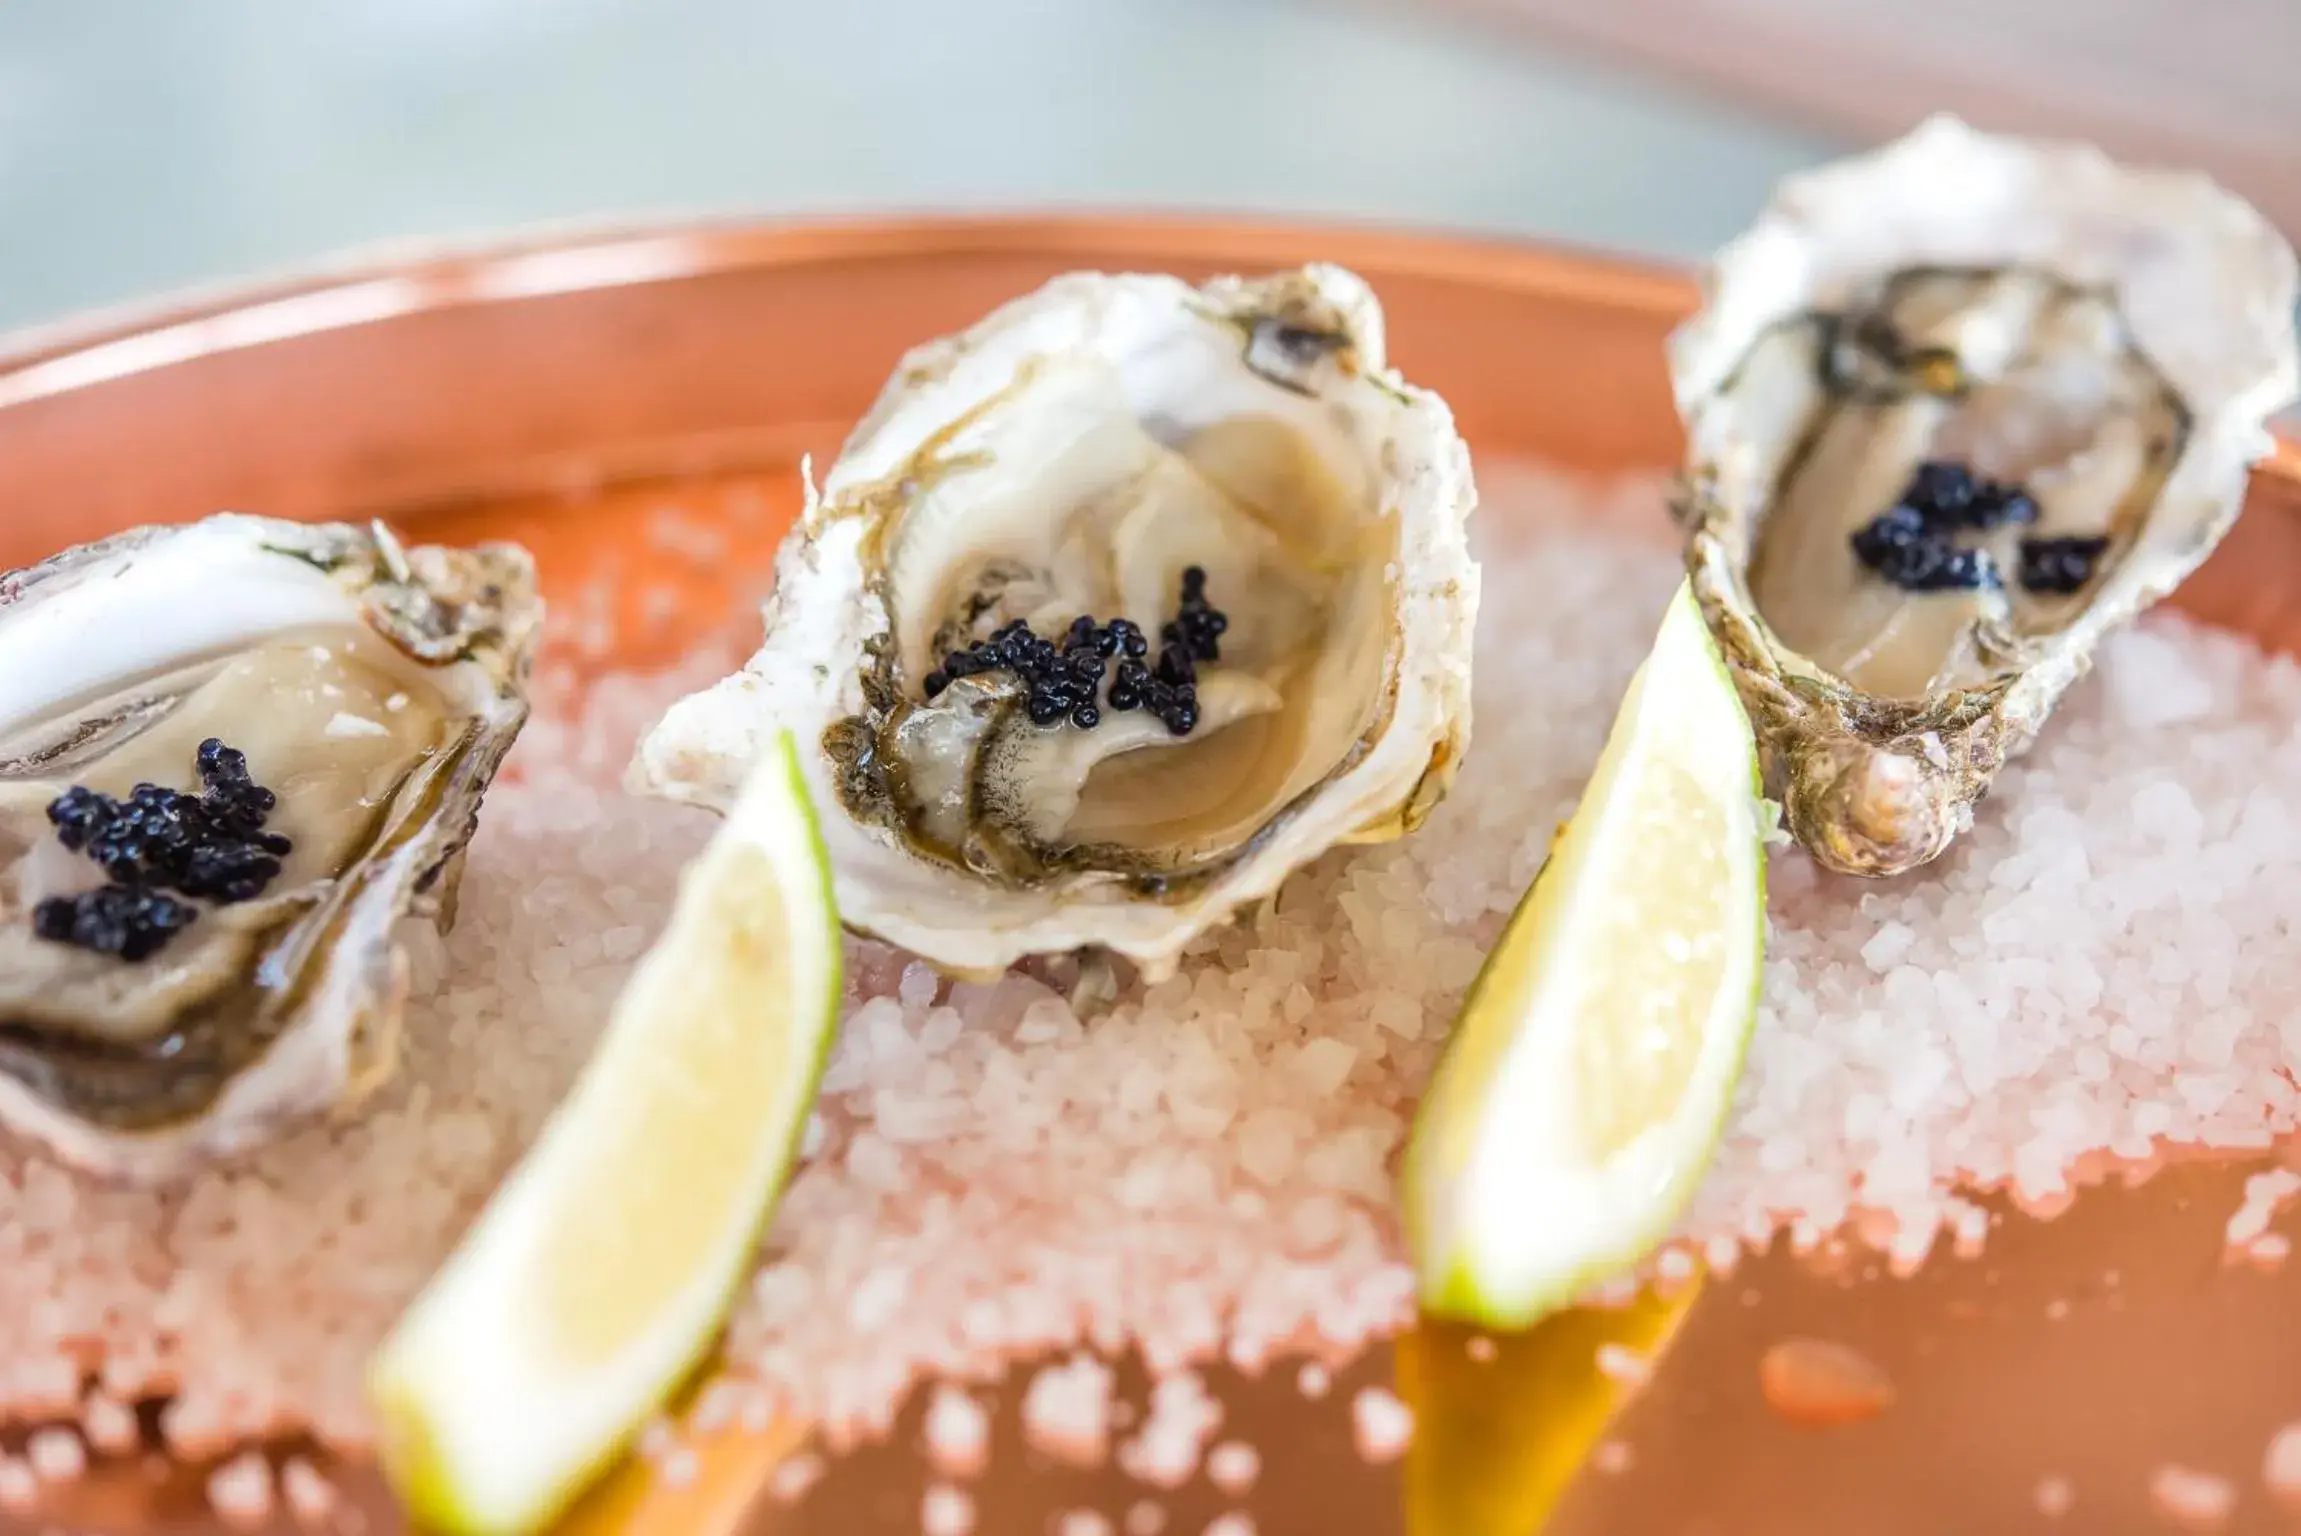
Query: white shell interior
[[115, 663], [1086, 444], [2122, 333]]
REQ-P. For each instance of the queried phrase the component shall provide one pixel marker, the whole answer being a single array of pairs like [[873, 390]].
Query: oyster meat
[[1116, 609], [233, 756], [1956, 409]]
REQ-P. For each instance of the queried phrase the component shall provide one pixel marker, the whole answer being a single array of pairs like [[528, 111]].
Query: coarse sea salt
[[311, 1497], [1380, 1424], [2100, 968], [2266, 1193], [957, 1432], [946, 1511], [1233, 1466], [56, 1454], [792, 1478], [2281, 1467], [2193, 1500], [110, 1424], [1067, 1411], [1183, 1417], [240, 1491]]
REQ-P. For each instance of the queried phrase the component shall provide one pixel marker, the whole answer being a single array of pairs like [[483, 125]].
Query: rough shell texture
[[971, 419], [243, 627], [2205, 290]]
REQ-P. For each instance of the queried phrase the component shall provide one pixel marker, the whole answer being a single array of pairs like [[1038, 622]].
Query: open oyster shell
[[1073, 456], [374, 689], [2107, 339]]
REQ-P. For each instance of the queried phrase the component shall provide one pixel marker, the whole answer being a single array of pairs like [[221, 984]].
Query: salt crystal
[[1067, 1411], [1082, 1522], [875, 1162], [1046, 1022], [792, 1479], [1145, 1517], [1888, 947], [2266, 1193], [1612, 1457], [19, 1485], [656, 1438], [1313, 1380], [917, 988], [1269, 1142], [1233, 1466], [1318, 1223], [2151, 682], [2281, 1467], [1402, 1016], [1232, 1524], [1166, 1452], [1324, 1065], [946, 1511], [1380, 1424], [1627, 1366], [110, 1425], [1481, 1348], [2193, 1500], [2054, 1497], [311, 1497], [240, 1491], [958, 1433], [56, 1454], [2164, 810]]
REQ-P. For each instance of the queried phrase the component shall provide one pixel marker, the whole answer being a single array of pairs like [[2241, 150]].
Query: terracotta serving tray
[[552, 392]]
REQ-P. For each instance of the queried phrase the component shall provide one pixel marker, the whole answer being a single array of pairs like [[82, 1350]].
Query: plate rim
[[438, 273]]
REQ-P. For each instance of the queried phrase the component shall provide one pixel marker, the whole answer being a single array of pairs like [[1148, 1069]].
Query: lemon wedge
[[601, 1271], [1588, 1077]]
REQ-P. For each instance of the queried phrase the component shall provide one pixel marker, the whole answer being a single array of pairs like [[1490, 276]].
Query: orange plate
[[515, 390]]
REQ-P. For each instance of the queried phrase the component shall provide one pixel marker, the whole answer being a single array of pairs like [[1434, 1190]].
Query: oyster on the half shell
[[373, 691], [1098, 451], [2048, 373]]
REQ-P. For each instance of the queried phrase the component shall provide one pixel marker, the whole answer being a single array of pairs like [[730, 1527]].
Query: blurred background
[[150, 144]]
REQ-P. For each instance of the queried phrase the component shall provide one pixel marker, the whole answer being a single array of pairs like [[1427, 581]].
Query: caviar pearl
[[1064, 681], [211, 846], [1911, 543], [2060, 566]]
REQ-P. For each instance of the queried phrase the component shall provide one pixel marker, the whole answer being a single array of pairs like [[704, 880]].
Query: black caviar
[[128, 921], [1065, 680], [1196, 625], [2060, 566], [210, 846], [1912, 544], [1899, 546]]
